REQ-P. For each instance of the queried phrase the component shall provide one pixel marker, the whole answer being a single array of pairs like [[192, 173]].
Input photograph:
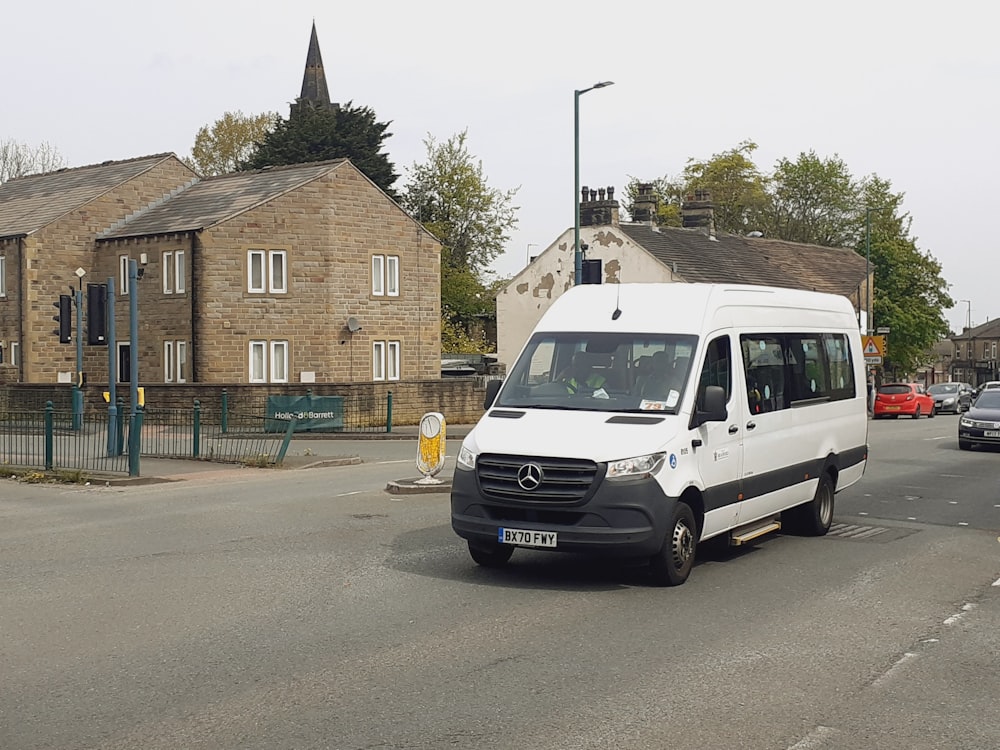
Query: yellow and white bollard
[[431, 447]]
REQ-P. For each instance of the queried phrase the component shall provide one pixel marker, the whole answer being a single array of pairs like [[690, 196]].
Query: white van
[[640, 419]]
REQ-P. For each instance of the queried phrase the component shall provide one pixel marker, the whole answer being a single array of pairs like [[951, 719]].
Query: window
[[267, 271], [3, 276], [716, 369], [392, 360], [174, 361], [124, 363], [173, 272], [993, 350], [986, 350], [268, 362], [15, 354], [796, 369], [123, 263], [378, 360], [279, 361], [385, 275]]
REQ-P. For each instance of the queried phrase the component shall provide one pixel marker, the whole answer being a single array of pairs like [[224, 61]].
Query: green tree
[[450, 195], [812, 200], [18, 159], [910, 295], [737, 186], [229, 142], [668, 193], [321, 133]]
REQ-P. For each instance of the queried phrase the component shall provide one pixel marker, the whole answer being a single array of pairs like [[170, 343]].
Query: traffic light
[[64, 318], [97, 318]]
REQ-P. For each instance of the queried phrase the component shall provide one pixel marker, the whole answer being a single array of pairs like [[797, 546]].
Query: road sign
[[873, 347]]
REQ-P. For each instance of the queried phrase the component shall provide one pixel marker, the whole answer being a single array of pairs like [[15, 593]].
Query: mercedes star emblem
[[529, 477]]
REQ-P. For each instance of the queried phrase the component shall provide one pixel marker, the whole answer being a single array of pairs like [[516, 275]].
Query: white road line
[[401, 461], [953, 476], [959, 615], [345, 494], [953, 502], [816, 738], [962, 523], [891, 671], [943, 437], [911, 518], [997, 582]]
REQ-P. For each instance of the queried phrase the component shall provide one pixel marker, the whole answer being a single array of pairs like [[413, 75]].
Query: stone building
[[974, 355], [640, 251]]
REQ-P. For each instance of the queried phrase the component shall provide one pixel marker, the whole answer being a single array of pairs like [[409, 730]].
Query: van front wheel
[[815, 517], [491, 555], [672, 564]]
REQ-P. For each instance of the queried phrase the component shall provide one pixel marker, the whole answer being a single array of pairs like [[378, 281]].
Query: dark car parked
[[981, 423], [953, 397]]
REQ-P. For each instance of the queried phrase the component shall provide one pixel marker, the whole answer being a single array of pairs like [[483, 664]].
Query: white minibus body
[[640, 419]]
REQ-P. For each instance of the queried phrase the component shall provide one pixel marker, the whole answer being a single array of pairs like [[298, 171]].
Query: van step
[[752, 531]]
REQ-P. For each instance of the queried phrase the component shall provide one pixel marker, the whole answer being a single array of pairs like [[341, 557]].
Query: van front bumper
[[626, 518]]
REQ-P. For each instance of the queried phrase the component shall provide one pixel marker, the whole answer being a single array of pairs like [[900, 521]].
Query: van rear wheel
[[490, 555], [672, 564], [814, 517]]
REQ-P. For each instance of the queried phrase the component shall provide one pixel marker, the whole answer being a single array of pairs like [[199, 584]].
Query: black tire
[[965, 445], [814, 517], [933, 412], [490, 555], [916, 413], [672, 564]]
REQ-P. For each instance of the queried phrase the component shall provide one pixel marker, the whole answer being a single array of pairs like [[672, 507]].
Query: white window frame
[[15, 353], [392, 275], [378, 360], [279, 358], [181, 347], [268, 282], [986, 350], [168, 273], [378, 275], [168, 362], [261, 376], [123, 263], [993, 350], [3, 276], [392, 360], [179, 286]]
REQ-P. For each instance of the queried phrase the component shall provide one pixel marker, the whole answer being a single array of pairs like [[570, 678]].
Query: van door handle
[[733, 429], [751, 425]]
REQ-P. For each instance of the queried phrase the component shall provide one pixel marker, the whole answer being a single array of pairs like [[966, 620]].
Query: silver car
[[951, 397]]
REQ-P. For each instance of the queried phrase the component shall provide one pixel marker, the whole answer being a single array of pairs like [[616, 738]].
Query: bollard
[[225, 411], [388, 412], [196, 446]]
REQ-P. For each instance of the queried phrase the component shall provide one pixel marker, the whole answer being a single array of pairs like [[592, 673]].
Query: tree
[[18, 159], [314, 133], [230, 142], [910, 294], [668, 193], [449, 194], [737, 187], [812, 200]]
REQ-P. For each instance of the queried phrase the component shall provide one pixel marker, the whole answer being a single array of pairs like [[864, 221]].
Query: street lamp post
[[577, 255], [78, 375], [968, 314], [868, 263]]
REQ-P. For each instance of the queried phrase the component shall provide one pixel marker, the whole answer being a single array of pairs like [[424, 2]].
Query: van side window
[[796, 369], [716, 368]]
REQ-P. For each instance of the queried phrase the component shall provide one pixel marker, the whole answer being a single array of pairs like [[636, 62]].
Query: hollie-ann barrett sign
[[313, 413]]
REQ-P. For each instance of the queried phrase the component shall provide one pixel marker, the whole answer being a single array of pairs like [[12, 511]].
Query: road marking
[[966, 608], [891, 671], [962, 523], [345, 494], [943, 437], [953, 476], [862, 514], [912, 518], [816, 738], [953, 502], [997, 582], [400, 461]]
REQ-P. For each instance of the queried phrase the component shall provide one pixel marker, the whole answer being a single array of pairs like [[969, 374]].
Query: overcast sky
[[904, 90]]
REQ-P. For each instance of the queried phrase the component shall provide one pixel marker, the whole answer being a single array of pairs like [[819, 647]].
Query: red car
[[893, 399]]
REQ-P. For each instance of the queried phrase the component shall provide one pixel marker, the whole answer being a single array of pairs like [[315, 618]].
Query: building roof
[[988, 330], [314, 87], [751, 260], [216, 199], [29, 203]]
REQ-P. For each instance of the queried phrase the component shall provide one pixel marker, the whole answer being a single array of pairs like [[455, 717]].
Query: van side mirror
[[713, 407], [492, 389]]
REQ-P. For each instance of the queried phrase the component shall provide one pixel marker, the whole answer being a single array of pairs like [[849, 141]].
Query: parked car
[[953, 397], [981, 423], [893, 399]]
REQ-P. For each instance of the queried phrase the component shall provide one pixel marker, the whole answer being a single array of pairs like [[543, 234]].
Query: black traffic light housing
[[97, 316], [64, 318]]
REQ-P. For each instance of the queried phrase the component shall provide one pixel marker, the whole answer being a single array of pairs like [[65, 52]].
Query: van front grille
[[562, 480]]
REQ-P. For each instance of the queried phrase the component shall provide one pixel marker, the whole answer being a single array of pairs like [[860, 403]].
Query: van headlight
[[966, 422], [638, 466], [466, 459]]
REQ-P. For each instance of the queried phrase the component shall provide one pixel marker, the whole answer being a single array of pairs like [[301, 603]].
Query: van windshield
[[620, 372]]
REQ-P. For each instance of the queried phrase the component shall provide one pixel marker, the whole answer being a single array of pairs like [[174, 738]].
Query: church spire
[[314, 89]]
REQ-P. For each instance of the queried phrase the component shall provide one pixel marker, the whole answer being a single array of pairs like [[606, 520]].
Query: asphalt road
[[261, 609]]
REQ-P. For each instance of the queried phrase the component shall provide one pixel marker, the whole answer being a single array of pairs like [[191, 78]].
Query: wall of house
[[53, 254], [531, 292], [329, 229], [10, 305]]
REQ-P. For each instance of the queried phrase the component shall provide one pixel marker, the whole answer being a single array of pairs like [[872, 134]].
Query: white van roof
[[678, 307]]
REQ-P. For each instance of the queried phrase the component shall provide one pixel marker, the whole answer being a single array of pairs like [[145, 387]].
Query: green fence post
[[134, 441], [196, 448], [225, 410], [121, 427], [388, 412], [48, 436], [288, 439]]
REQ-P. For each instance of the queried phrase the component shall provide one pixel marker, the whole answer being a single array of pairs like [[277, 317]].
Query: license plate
[[991, 433], [526, 538], [892, 408]]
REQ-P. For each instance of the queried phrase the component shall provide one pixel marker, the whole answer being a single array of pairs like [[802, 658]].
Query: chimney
[[697, 212], [598, 207], [645, 205]]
